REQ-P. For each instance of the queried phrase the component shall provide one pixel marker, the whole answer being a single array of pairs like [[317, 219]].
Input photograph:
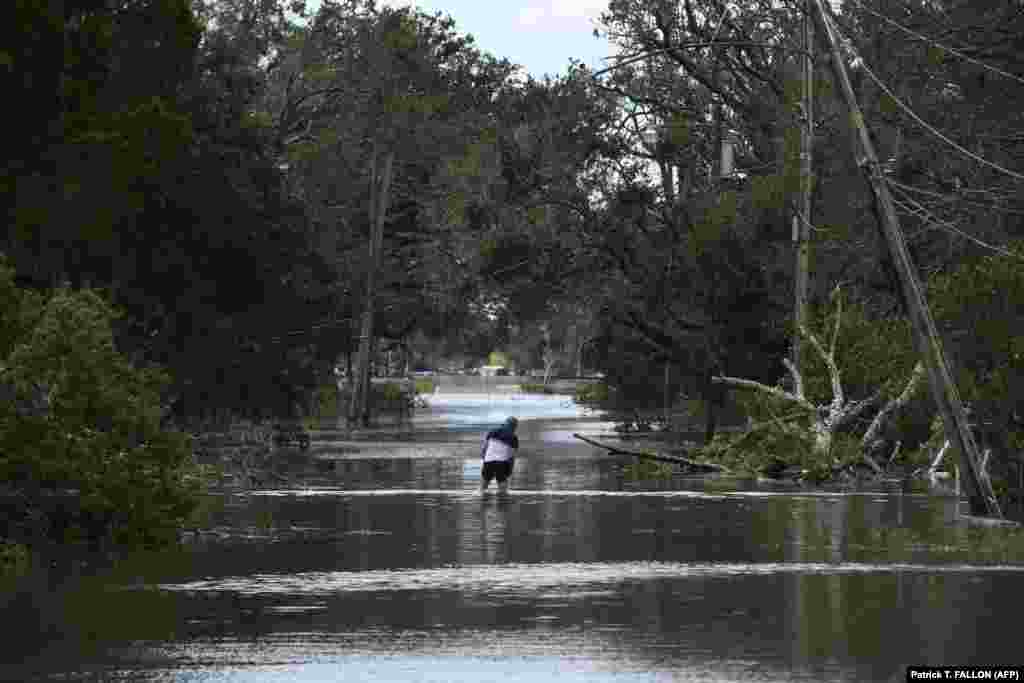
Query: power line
[[930, 218], [931, 129], [916, 214], [953, 198], [935, 43]]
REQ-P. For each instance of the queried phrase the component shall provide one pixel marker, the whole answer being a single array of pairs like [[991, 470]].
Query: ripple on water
[[547, 493], [528, 578]]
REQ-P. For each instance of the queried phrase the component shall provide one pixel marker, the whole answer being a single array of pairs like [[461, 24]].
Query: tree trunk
[[380, 186], [368, 382], [549, 363], [711, 400]]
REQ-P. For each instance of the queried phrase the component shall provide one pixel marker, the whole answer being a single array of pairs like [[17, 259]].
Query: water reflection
[[388, 565], [519, 580]]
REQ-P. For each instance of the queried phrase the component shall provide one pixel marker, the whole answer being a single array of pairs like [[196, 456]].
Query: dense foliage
[[81, 441]]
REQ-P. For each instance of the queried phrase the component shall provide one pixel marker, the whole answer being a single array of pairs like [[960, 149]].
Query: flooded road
[[381, 561]]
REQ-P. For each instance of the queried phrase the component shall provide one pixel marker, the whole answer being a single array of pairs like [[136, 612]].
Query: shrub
[[535, 388], [592, 393], [391, 392], [83, 420], [327, 401], [424, 385], [14, 558]]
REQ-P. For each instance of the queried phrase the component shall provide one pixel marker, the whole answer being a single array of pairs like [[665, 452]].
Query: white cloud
[[552, 16]]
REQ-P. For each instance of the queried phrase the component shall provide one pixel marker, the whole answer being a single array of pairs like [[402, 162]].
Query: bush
[[326, 400], [424, 385], [14, 558], [592, 393], [535, 388], [390, 392], [82, 420]]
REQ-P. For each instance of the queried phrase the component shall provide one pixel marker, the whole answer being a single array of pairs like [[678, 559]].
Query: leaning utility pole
[[802, 211], [926, 338]]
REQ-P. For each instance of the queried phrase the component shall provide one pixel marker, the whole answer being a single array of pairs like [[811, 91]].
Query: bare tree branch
[[830, 363], [798, 380], [837, 294], [853, 410], [871, 435], [741, 383]]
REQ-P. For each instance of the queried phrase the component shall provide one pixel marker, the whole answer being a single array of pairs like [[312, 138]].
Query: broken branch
[[679, 460], [740, 383]]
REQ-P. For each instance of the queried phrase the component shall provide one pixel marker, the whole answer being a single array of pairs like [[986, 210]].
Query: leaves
[[97, 429]]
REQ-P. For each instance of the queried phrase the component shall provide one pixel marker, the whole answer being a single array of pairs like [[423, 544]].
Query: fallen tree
[[818, 422]]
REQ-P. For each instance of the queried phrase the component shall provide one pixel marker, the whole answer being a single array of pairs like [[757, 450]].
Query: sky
[[540, 35]]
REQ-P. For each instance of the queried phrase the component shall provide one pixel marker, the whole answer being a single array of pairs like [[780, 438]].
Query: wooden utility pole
[[802, 211], [380, 187], [981, 498]]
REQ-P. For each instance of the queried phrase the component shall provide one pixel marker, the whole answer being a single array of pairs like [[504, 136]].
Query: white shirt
[[498, 451]]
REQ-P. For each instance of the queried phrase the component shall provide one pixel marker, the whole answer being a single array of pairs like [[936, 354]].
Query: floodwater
[[381, 561]]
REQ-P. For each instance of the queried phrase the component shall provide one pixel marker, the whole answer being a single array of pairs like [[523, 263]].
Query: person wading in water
[[499, 455]]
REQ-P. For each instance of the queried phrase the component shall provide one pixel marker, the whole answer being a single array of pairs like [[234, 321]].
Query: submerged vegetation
[[647, 470]]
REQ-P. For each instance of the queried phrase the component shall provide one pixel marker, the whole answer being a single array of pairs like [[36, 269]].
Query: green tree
[[81, 420], [148, 174], [978, 307], [383, 117]]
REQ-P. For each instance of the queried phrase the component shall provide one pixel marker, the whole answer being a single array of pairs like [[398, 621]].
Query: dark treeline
[[146, 175], [206, 176]]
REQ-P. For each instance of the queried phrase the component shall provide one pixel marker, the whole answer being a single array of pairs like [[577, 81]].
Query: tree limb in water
[[679, 460]]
